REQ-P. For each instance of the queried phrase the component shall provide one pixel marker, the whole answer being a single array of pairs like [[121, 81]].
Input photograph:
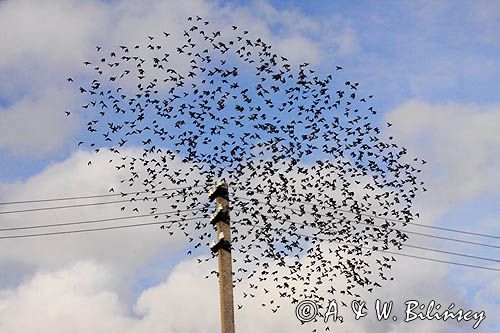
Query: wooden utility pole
[[223, 248]]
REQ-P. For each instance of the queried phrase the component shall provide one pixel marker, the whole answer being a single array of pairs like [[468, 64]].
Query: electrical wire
[[205, 216], [82, 205], [391, 219], [386, 251], [390, 228], [198, 186], [100, 229], [99, 195], [39, 226], [405, 245]]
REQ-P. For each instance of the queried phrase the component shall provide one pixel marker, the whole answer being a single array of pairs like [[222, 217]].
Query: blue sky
[[433, 67]]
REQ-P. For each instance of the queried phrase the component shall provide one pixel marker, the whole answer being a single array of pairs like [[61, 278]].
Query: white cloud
[[123, 250], [296, 36], [43, 40], [74, 299], [81, 298], [46, 32], [460, 143], [347, 41], [37, 124]]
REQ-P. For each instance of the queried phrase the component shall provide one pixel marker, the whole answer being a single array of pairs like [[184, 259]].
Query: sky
[[431, 65]]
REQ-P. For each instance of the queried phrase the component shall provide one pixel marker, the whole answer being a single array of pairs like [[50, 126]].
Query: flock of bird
[[299, 151]]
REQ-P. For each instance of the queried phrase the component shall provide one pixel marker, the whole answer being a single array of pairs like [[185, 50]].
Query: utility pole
[[223, 248]]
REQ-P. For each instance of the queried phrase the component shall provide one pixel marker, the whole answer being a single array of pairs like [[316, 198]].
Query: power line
[[389, 219], [449, 252], [82, 205], [195, 218], [98, 195], [39, 226], [441, 261], [129, 200], [406, 245], [100, 229], [198, 186], [391, 228], [387, 251]]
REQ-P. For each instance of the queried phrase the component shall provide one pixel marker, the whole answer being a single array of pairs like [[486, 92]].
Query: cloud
[[294, 35], [123, 250], [184, 302], [54, 32], [348, 42], [43, 40], [80, 298], [36, 124], [460, 142], [73, 299]]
